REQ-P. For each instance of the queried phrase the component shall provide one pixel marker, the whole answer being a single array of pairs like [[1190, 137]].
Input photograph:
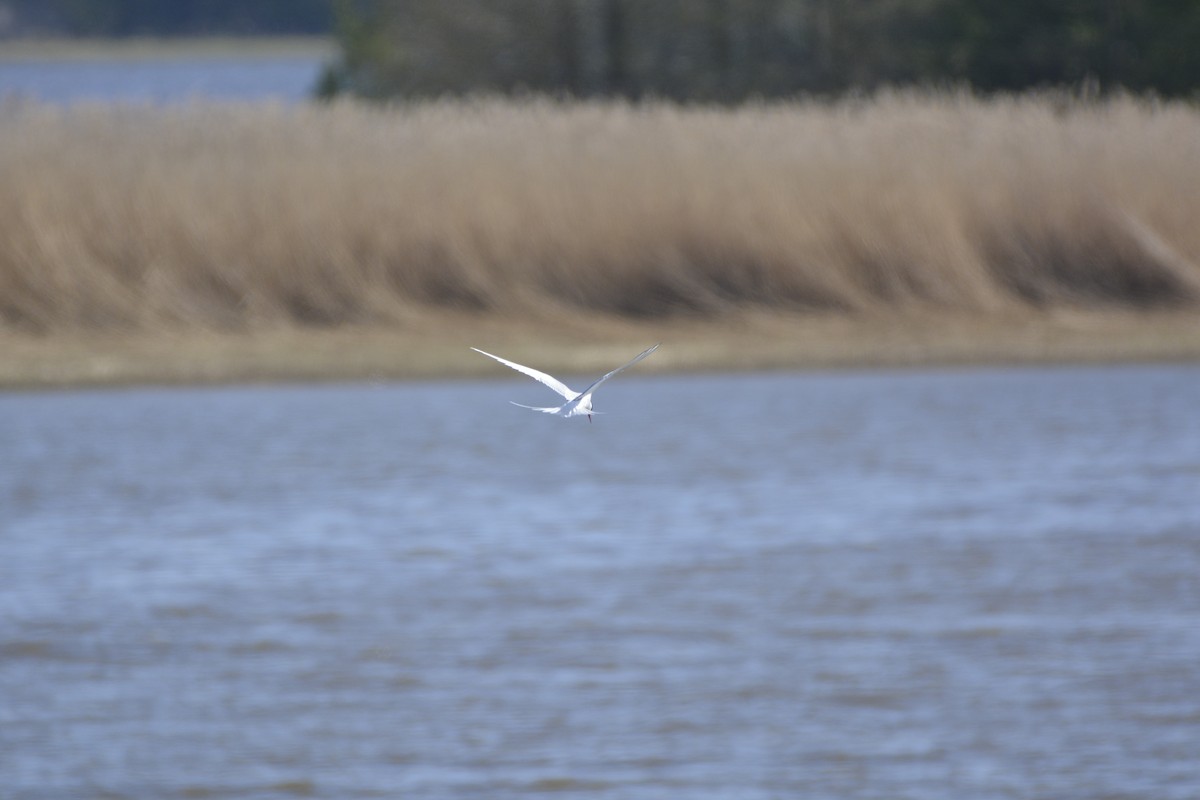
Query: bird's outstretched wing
[[598, 381], [552, 410], [549, 380]]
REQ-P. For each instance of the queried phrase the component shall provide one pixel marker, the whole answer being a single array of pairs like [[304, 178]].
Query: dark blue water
[[978, 584], [283, 77]]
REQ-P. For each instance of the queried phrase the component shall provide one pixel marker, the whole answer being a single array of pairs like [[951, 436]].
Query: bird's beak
[[589, 417]]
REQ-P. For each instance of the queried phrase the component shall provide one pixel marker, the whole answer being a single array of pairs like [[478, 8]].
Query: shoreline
[[226, 242], [435, 347], [917, 228]]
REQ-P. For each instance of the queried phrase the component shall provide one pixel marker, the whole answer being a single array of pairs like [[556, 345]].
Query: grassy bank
[[437, 347], [806, 232]]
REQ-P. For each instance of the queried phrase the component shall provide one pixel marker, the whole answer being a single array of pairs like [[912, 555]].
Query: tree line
[[118, 18], [710, 50], [730, 50]]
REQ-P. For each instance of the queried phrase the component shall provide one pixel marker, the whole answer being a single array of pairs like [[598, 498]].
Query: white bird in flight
[[578, 403]]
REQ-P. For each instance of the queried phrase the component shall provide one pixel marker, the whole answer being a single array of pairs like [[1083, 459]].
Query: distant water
[[938, 585], [284, 77]]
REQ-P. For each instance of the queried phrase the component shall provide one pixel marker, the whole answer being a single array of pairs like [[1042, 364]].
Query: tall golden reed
[[237, 216]]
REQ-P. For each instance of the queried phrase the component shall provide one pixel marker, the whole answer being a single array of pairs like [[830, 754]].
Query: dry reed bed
[[235, 217]]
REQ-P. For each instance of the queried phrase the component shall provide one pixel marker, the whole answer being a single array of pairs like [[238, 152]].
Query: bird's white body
[[578, 404]]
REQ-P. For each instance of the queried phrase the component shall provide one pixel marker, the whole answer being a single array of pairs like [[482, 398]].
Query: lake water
[[285, 77], [963, 584]]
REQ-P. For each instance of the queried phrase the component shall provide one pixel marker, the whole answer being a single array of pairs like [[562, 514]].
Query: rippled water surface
[[979, 584], [181, 78]]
